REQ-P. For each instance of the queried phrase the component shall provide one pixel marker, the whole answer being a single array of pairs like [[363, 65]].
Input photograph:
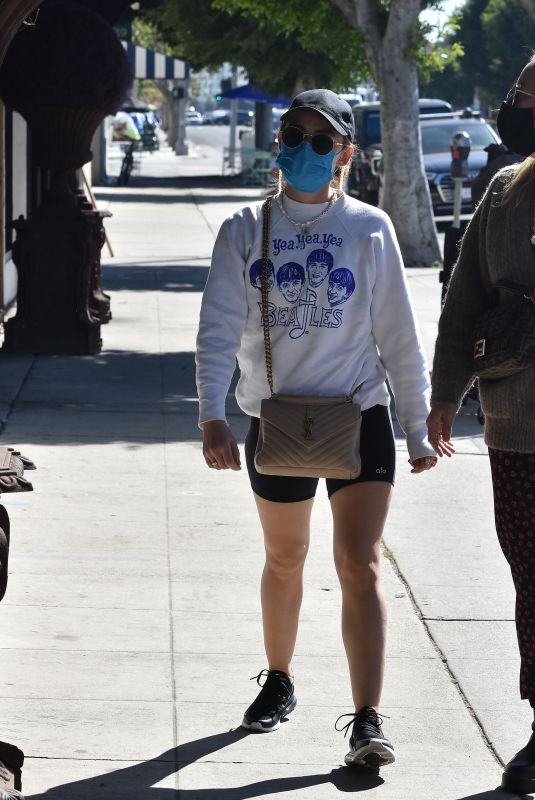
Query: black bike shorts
[[377, 453]]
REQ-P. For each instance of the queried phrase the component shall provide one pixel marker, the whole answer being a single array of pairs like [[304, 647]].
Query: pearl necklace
[[303, 228]]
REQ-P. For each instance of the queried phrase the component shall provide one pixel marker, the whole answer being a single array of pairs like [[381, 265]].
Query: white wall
[[20, 199], [20, 167]]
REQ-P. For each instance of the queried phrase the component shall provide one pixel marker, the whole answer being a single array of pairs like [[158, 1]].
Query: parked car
[[220, 116], [438, 124], [363, 181], [194, 118], [436, 139], [245, 117]]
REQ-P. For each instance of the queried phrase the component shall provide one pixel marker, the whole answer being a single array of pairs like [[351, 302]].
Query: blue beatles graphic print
[[255, 274], [290, 280], [341, 286], [319, 264], [314, 292]]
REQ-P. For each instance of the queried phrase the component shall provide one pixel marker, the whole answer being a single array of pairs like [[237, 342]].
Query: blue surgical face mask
[[304, 169]]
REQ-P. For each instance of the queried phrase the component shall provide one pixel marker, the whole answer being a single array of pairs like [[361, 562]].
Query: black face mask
[[515, 126]]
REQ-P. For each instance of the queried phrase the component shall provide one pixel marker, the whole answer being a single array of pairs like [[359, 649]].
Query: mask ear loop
[[517, 88], [339, 167]]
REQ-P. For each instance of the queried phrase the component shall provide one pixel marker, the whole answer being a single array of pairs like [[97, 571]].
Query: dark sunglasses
[[321, 143]]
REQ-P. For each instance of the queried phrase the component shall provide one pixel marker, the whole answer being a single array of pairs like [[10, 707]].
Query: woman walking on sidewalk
[[339, 316], [498, 247]]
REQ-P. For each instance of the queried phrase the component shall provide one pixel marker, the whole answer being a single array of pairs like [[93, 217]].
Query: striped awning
[[149, 64]]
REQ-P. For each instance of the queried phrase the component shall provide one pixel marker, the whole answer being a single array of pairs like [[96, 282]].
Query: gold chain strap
[[265, 289]]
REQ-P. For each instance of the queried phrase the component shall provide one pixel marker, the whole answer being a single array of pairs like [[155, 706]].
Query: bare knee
[[285, 560], [357, 571]]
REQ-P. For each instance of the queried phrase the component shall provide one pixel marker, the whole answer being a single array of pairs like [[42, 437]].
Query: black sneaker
[[368, 746], [519, 774], [275, 700]]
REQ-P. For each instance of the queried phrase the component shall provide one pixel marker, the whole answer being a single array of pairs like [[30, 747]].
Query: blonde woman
[[327, 338], [499, 244]]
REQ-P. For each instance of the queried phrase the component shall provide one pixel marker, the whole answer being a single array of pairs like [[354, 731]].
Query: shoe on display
[[368, 746], [276, 700], [11, 761]]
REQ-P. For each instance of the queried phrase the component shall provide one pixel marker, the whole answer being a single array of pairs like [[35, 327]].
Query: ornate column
[[12, 15], [64, 75]]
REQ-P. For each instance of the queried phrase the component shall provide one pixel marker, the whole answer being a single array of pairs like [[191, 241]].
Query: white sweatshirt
[[340, 314]]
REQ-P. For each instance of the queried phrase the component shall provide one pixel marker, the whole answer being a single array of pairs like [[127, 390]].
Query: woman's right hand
[[220, 448], [439, 425]]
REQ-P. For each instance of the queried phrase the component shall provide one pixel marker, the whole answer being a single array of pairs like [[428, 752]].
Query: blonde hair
[[521, 180]]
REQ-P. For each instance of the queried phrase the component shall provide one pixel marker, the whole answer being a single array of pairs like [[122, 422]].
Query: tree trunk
[[405, 195], [170, 115], [263, 126]]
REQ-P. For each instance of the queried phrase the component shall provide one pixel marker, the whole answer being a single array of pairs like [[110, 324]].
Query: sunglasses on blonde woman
[[321, 143]]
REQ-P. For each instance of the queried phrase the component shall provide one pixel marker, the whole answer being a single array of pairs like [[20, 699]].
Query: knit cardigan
[[495, 246]]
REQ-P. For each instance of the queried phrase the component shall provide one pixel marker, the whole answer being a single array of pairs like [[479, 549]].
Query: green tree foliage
[[319, 28], [497, 39], [322, 27], [278, 58], [284, 46], [509, 39]]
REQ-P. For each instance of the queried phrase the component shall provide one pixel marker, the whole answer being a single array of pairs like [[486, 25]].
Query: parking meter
[[460, 150]]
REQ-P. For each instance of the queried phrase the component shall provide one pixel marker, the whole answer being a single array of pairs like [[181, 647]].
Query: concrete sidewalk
[[131, 624]]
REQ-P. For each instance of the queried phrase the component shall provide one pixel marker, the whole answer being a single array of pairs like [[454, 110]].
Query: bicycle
[[127, 165]]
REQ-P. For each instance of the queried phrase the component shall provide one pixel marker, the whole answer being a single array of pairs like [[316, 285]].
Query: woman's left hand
[[422, 464]]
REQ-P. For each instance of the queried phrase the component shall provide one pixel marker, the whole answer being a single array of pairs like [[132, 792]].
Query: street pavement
[[131, 624]]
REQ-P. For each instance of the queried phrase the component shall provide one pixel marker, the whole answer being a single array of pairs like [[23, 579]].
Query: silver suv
[[437, 129]]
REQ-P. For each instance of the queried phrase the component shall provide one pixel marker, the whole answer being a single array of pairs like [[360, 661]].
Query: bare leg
[[359, 515], [286, 529]]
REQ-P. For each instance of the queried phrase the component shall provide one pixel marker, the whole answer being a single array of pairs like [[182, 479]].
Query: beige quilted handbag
[[300, 436]]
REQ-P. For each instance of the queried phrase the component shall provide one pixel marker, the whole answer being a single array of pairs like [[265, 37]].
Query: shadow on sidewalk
[[136, 782], [135, 192], [132, 397], [117, 396], [143, 195], [494, 794], [154, 278]]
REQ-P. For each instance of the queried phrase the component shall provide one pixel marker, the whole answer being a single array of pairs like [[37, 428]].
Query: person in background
[[499, 244], [498, 156], [11, 758]]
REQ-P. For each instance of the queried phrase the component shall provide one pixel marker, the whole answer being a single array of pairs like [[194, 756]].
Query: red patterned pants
[[513, 481]]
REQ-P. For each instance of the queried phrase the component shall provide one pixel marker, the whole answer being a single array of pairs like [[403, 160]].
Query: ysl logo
[[308, 423]]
